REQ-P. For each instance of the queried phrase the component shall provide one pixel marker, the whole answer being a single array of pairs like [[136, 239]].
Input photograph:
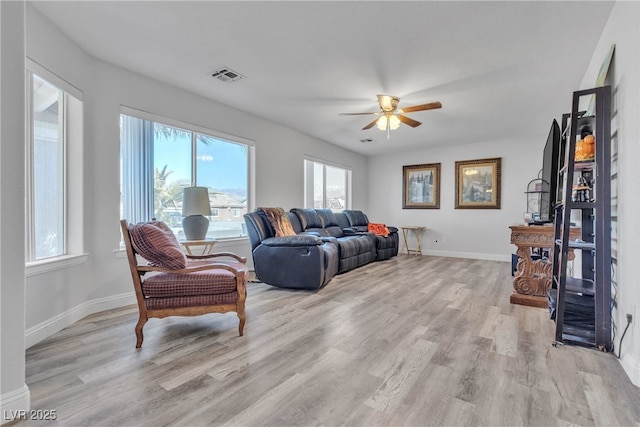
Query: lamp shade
[[195, 201]]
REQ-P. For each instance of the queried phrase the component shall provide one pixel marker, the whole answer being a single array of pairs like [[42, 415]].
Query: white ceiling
[[500, 69]]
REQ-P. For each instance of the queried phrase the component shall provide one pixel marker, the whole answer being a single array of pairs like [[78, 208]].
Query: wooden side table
[[206, 244], [533, 278], [417, 231]]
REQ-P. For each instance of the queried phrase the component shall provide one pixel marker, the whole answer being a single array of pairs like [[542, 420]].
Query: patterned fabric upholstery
[[155, 242], [205, 282], [168, 289], [190, 301]]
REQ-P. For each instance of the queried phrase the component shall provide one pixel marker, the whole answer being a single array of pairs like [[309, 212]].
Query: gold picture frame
[[478, 183], [421, 186]]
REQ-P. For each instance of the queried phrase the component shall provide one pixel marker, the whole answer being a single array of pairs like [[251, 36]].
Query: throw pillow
[[378, 229], [279, 221], [155, 242]]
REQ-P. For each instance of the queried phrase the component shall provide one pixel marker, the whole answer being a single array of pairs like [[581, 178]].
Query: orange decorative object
[[586, 148], [378, 229]]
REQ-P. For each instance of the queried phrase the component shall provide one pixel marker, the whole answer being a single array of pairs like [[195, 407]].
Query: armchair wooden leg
[[242, 318], [139, 335]]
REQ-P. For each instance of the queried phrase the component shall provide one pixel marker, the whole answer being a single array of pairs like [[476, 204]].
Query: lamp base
[[195, 227]]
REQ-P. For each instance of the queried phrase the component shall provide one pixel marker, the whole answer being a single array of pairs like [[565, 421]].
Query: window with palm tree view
[[159, 160]]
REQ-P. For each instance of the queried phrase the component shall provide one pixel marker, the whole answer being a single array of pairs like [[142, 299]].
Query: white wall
[[623, 30], [57, 299], [467, 233], [14, 394]]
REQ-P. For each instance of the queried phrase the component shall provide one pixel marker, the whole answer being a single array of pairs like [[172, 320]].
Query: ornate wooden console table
[[533, 278]]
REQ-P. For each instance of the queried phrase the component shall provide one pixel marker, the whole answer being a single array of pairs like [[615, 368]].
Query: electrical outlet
[[629, 318]]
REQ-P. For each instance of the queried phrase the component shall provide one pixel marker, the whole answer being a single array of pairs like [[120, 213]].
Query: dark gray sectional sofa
[[325, 244]]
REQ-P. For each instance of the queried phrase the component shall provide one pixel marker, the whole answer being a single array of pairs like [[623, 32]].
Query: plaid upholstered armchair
[[180, 285]]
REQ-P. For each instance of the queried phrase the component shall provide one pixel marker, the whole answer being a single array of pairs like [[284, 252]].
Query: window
[[159, 159], [327, 186], [55, 123]]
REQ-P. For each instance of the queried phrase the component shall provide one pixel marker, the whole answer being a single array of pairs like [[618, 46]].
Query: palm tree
[[166, 195]]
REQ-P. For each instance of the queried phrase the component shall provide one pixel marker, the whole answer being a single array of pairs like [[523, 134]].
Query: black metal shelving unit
[[581, 305]]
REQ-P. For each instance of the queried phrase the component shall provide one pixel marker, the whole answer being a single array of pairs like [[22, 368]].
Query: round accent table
[[205, 244]]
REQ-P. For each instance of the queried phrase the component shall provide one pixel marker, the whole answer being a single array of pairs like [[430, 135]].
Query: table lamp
[[195, 204]]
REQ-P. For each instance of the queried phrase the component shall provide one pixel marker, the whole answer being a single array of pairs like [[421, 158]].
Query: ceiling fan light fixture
[[390, 117], [394, 122], [388, 120]]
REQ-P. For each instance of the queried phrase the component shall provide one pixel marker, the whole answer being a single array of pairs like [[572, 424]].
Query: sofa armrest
[[329, 239], [292, 241], [392, 229]]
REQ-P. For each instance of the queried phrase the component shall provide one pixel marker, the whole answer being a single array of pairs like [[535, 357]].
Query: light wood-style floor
[[413, 341]]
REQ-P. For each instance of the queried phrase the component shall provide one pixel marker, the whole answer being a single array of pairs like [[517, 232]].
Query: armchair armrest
[[148, 268], [238, 258], [392, 229]]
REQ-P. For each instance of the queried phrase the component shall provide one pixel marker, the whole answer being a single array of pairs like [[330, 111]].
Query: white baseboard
[[469, 255], [14, 403], [45, 329], [631, 366]]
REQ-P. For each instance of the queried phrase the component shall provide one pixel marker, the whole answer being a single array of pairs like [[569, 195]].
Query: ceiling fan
[[390, 116]]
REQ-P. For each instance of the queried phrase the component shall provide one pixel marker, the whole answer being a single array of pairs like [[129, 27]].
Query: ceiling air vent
[[226, 74]]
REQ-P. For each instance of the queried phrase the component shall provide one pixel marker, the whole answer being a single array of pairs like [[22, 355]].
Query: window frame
[[71, 128], [309, 181], [198, 130]]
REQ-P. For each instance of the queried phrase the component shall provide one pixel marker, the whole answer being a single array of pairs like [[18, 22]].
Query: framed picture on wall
[[478, 184], [421, 186]]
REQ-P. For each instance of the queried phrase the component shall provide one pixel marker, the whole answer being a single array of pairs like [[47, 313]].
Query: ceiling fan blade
[[356, 114], [422, 107], [370, 125], [407, 121]]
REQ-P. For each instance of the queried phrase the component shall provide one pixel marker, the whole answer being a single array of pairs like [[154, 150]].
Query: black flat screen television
[[550, 165]]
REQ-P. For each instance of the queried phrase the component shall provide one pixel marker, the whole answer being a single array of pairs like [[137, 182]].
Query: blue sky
[[220, 164]]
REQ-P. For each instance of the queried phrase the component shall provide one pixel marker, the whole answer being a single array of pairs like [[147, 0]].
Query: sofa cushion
[[206, 282], [190, 301], [385, 242], [279, 221], [330, 222], [354, 245], [356, 218], [309, 218], [155, 242], [342, 219]]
